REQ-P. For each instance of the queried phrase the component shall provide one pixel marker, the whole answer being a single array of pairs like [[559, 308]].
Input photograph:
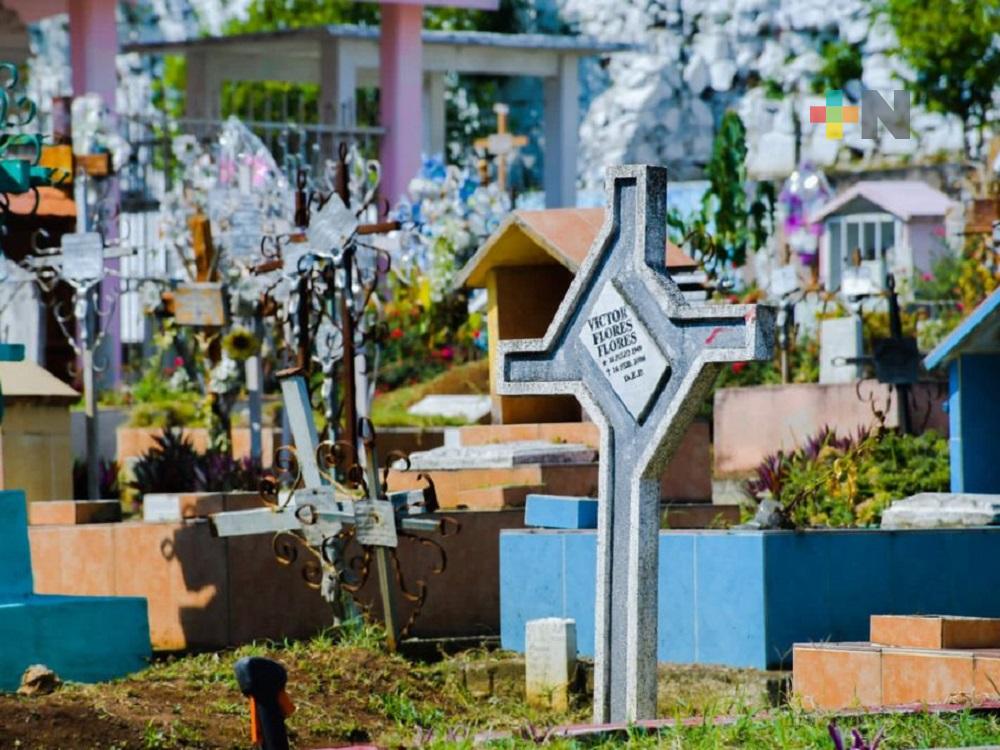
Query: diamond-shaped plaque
[[624, 350]]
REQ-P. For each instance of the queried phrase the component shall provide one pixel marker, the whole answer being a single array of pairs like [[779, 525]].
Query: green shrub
[[848, 481]]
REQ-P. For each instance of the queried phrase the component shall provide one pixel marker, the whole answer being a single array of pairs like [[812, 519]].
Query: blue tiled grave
[[84, 639], [742, 598]]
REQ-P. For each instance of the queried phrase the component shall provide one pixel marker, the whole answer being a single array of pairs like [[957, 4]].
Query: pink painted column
[[93, 38], [401, 86]]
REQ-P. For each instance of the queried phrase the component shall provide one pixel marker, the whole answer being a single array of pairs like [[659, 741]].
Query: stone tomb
[[920, 659], [639, 358]]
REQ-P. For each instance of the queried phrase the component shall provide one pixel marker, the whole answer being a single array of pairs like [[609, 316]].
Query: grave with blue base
[[84, 639], [742, 598], [972, 355]]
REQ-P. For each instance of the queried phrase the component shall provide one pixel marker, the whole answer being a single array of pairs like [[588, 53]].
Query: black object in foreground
[[263, 682]]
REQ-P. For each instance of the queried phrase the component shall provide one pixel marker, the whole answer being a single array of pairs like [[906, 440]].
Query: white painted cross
[[640, 359]]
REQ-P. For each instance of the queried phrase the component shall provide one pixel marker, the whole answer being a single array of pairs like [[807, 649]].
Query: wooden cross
[[640, 359], [501, 144]]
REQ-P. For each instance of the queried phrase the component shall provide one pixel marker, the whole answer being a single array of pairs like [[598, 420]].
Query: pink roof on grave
[[904, 199], [563, 235]]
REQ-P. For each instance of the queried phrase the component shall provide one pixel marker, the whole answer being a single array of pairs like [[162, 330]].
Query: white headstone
[[549, 661], [840, 339]]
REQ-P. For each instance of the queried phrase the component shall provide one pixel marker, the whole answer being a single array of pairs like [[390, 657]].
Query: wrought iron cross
[[319, 510], [640, 359], [80, 263]]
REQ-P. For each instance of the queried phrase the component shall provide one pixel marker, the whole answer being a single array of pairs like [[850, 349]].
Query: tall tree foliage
[[272, 15], [730, 222], [952, 47]]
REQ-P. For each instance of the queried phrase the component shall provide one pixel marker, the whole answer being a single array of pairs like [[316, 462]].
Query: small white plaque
[[83, 256], [624, 350], [375, 523]]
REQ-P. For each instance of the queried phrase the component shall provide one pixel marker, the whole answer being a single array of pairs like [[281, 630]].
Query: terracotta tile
[[242, 501], [836, 676], [970, 632], [74, 512], [923, 676], [74, 560], [266, 599], [935, 631], [181, 570], [907, 631], [986, 665], [699, 515], [496, 498]]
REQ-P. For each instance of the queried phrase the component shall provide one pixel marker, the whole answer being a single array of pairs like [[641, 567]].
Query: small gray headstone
[[469, 408], [931, 510], [840, 339], [549, 661]]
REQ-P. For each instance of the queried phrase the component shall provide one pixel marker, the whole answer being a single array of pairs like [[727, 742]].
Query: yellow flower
[[240, 344]]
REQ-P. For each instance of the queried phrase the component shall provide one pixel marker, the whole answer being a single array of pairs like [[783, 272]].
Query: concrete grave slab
[[472, 408], [929, 510], [501, 456]]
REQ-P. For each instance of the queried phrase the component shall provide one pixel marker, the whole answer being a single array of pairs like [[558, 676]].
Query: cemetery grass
[[353, 692], [389, 409]]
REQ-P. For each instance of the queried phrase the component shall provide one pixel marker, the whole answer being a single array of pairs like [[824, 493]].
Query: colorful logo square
[[834, 114]]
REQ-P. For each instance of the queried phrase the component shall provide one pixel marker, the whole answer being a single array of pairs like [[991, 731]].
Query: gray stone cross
[[640, 359]]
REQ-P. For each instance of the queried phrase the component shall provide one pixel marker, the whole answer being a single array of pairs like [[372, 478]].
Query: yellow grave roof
[[28, 381]]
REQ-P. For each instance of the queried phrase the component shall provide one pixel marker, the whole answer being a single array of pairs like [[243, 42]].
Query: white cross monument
[[640, 359]]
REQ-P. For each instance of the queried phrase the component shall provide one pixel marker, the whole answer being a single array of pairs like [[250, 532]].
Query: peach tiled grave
[[932, 631], [922, 659], [832, 676], [926, 676]]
